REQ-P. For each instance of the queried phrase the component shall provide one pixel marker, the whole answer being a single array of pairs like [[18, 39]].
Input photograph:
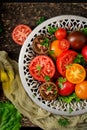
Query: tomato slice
[[40, 67], [65, 59], [64, 44], [20, 33], [75, 73], [48, 91]]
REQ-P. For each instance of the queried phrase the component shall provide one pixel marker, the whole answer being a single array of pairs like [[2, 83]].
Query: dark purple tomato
[[77, 40]]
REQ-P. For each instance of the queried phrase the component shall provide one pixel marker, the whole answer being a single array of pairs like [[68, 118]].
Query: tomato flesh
[[20, 33], [75, 73], [65, 59], [41, 66]]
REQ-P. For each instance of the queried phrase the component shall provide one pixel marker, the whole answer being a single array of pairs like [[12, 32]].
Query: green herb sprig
[[63, 122]]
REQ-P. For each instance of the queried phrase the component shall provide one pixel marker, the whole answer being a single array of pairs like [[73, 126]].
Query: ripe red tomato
[[64, 44], [65, 88], [20, 33], [84, 52], [60, 33], [41, 67], [65, 59]]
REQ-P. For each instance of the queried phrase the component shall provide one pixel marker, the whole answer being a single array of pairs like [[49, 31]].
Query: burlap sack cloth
[[14, 91]]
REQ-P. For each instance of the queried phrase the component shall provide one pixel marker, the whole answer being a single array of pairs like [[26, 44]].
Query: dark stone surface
[[16, 13]]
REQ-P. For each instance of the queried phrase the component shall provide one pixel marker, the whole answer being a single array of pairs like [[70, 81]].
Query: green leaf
[[62, 80], [70, 98], [41, 20], [47, 78], [70, 110], [63, 122], [38, 67], [45, 42], [80, 60], [9, 117], [60, 85], [51, 30], [84, 30], [51, 52], [49, 88]]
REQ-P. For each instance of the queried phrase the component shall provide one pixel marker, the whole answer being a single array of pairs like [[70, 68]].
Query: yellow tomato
[[56, 51], [81, 90], [75, 73]]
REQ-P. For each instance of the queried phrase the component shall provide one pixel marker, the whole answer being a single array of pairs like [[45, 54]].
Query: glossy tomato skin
[[66, 89], [81, 90], [77, 40], [84, 52], [40, 67], [64, 44], [61, 33], [55, 48], [65, 59]]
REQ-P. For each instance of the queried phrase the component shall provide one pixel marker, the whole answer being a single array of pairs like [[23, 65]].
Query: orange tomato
[[75, 73], [55, 48], [81, 90]]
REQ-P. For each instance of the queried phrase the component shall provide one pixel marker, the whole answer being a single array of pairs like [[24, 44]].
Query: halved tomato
[[42, 68], [75, 73], [20, 33], [65, 59], [48, 91]]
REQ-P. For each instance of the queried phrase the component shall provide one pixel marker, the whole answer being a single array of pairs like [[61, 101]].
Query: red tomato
[[20, 33], [65, 59], [60, 33], [41, 67], [84, 52], [64, 44], [65, 88]]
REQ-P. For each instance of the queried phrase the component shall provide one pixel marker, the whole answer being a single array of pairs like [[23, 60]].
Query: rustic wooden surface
[[12, 14]]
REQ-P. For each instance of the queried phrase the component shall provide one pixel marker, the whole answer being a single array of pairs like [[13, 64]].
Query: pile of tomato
[[60, 64]]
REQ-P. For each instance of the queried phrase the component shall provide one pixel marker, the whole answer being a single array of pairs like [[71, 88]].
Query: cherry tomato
[[48, 91], [81, 90], [20, 33], [75, 73], [65, 59], [41, 67], [77, 40], [60, 33], [54, 49], [65, 88], [84, 52], [64, 44]]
